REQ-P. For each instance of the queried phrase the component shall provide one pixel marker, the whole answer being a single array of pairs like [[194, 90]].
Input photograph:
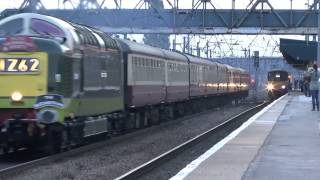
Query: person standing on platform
[[301, 85], [306, 80], [314, 86]]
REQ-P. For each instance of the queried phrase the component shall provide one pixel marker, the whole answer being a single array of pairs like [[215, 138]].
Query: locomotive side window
[[42, 27], [11, 27]]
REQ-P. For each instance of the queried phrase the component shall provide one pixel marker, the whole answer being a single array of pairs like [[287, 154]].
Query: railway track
[[8, 169], [231, 124], [16, 167], [22, 163]]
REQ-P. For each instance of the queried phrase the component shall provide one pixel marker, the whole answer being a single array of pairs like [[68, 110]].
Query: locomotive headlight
[[16, 96], [270, 87], [283, 87]]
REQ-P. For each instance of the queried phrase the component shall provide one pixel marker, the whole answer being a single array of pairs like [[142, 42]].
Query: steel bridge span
[[202, 18]]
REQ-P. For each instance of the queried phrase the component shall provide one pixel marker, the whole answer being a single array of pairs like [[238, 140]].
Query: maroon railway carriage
[[154, 75], [177, 84], [145, 74]]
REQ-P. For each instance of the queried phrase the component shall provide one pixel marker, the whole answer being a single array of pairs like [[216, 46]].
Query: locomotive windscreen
[[277, 76]]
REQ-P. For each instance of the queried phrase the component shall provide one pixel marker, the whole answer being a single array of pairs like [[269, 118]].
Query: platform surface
[[283, 143], [292, 151]]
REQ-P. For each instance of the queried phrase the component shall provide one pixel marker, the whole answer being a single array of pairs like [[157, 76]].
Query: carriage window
[[45, 28], [11, 27], [148, 62]]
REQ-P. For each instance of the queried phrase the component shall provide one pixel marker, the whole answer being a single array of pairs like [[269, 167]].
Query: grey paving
[[292, 150], [232, 161]]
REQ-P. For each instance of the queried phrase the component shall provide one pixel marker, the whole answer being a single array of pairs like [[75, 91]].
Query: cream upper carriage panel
[[177, 73], [223, 77], [204, 68], [141, 60], [244, 79], [233, 79], [204, 76], [30, 22]]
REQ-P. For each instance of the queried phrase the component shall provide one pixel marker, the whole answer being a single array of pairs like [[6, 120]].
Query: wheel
[[66, 143], [54, 139]]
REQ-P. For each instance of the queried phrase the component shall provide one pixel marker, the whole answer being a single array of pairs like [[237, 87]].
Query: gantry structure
[[203, 17], [157, 19]]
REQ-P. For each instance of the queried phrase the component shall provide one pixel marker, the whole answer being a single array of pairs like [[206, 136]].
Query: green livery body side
[[91, 83], [93, 106]]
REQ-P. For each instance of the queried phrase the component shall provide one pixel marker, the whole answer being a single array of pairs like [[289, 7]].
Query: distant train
[[61, 82], [278, 83]]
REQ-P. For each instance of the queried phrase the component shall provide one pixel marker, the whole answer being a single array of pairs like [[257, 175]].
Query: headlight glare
[[270, 87], [16, 96]]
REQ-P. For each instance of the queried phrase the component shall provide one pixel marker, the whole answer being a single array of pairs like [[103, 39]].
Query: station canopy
[[298, 53]]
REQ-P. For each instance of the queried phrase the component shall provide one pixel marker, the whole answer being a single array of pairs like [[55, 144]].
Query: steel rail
[[46, 160], [15, 169], [154, 163], [12, 170]]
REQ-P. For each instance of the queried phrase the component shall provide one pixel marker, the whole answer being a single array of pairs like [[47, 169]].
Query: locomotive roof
[[62, 28], [74, 35]]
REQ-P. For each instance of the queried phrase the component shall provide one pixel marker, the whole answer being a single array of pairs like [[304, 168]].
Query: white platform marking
[[195, 163]]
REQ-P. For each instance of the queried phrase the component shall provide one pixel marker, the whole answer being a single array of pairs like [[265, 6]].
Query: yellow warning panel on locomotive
[[24, 65], [25, 73]]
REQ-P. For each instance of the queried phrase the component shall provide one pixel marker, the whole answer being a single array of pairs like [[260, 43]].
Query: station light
[[16, 96], [283, 86]]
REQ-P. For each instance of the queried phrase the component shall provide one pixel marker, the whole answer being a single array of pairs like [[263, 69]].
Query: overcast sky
[[244, 42]]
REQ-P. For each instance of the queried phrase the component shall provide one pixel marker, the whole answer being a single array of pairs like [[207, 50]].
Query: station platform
[[281, 142]]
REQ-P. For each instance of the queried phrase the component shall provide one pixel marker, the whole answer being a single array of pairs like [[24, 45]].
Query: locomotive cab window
[[11, 27], [42, 27], [277, 76]]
